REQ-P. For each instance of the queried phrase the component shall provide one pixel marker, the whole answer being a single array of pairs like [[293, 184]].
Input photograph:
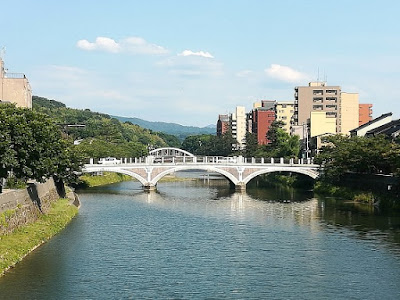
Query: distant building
[[317, 96], [284, 113], [375, 123], [14, 88], [321, 124], [223, 124], [263, 114], [365, 114], [238, 127], [349, 112]]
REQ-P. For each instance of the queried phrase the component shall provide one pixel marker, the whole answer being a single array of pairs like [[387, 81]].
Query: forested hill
[[101, 134], [178, 130]]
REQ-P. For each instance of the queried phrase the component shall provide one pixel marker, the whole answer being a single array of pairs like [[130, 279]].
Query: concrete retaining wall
[[20, 207]]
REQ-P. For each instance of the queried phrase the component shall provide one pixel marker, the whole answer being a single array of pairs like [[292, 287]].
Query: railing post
[[272, 160], [253, 160], [262, 160], [281, 160], [91, 161]]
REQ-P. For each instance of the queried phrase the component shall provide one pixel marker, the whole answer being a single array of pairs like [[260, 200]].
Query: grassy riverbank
[[88, 180], [110, 177], [323, 188], [16, 245]]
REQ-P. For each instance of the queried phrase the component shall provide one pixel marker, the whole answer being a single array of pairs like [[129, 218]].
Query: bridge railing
[[219, 160]]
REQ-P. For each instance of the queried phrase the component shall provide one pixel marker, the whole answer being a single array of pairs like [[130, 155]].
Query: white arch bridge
[[239, 170]]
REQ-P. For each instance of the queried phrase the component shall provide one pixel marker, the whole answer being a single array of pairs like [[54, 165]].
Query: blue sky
[[188, 61]]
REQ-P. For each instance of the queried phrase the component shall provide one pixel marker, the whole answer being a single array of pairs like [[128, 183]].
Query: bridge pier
[[149, 187], [240, 187]]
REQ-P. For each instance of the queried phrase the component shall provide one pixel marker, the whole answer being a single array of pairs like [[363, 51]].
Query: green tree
[[34, 142], [371, 155], [251, 145], [280, 143]]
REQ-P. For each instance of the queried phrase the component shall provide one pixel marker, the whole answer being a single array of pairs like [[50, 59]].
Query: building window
[[317, 99], [331, 99], [330, 114], [284, 118], [331, 107], [317, 107], [318, 92], [283, 105], [334, 92]]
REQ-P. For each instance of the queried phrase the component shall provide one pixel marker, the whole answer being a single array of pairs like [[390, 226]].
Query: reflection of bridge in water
[[242, 206], [238, 170]]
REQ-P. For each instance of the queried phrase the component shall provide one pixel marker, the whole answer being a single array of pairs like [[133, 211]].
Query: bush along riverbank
[[382, 191], [285, 179], [369, 193], [20, 242], [347, 193]]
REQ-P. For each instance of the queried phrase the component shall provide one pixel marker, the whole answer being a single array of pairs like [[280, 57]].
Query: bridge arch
[[142, 180], [308, 172], [170, 151], [226, 174]]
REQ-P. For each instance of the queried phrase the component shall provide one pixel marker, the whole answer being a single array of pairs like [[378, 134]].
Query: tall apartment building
[[14, 88], [284, 113], [238, 127], [365, 114], [317, 96], [338, 105]]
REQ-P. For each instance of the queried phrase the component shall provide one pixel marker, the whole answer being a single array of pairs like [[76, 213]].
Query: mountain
[[170, 128]]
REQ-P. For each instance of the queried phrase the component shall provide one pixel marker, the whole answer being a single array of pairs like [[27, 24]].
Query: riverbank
[[88, 180], [16, 245]]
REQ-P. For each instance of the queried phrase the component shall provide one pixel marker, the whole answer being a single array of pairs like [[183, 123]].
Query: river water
[[200, 240]]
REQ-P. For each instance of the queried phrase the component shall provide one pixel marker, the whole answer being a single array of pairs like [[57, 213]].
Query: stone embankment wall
[[20, 207]]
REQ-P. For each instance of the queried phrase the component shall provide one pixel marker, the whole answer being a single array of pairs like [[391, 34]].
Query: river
[[201, 240]]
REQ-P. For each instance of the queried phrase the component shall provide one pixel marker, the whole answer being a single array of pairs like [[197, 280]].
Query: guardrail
[[218, 160]]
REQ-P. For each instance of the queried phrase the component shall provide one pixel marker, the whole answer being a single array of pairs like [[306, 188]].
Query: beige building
[[317, 96], [14, 88], [321, 124], [238, 125], [284, 113], [349, 112]]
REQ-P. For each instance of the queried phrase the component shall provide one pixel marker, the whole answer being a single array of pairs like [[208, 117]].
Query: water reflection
[[265, 206]]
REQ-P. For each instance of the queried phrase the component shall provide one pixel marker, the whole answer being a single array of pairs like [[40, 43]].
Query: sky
[[187, 62]]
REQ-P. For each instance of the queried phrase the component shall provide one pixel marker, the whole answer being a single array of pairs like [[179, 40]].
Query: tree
[[280, 143], [372, 155], [32, 145], [251, 144], [208, 144]]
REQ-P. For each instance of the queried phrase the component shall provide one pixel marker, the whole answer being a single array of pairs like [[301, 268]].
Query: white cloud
[[199, 53], [244, 73], [132, 45], [191, 65], [285, 73]]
